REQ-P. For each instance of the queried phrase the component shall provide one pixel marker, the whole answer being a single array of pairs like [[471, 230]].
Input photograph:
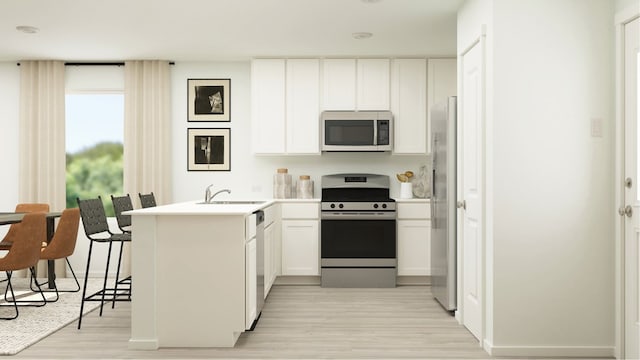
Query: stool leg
[[106, 274], [84, 289], [115, 289]]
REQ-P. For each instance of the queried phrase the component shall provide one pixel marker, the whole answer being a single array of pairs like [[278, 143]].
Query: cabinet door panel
[[250, 283], [373, 84], [414, 246], [339, 84], [268, 106], [303, 106], [300, 253], [409, 105]]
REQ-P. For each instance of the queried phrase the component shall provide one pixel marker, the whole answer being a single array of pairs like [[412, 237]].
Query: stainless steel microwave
[[357, 130]]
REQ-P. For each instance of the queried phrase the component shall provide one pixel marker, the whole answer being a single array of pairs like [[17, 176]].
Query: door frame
[[621, 19]]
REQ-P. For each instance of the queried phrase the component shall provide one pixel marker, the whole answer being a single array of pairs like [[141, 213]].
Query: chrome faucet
[[207, 193]]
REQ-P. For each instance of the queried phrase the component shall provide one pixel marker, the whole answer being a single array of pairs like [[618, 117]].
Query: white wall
[[623, 4], [549, 185], [250, 175]]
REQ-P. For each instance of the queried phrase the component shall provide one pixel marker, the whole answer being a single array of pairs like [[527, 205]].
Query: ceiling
[[206, 30]]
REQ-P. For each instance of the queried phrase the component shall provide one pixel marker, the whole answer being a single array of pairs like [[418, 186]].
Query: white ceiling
[[201, 30]]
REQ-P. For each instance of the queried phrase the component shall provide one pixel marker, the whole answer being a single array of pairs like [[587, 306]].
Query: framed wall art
[[209, 99], [209, 149]]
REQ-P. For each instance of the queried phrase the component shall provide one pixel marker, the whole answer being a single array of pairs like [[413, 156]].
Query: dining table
[[7, 218]]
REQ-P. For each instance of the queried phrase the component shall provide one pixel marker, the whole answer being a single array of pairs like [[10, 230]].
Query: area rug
[[35, 323]]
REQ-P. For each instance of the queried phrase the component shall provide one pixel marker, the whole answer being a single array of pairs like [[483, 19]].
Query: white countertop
[[197, 208]]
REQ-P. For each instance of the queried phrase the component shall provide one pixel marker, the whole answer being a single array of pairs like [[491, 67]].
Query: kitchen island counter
[[188, 267]]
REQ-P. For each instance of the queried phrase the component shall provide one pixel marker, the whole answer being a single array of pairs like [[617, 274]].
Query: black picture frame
[[208, 99], [208, 149]]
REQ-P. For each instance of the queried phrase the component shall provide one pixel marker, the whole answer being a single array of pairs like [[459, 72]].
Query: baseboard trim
[[297, 280], [550, 351], [150, 344], [413, 280]]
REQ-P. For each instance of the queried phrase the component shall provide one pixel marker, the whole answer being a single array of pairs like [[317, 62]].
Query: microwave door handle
[[375, 132]]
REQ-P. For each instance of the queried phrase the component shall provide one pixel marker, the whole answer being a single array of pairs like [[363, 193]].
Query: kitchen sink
[[232, 202]]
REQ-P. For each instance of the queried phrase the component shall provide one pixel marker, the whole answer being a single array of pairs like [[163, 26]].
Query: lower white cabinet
[[250, 282], [269, 258], [300, 238], [300, 247], [414, 238]]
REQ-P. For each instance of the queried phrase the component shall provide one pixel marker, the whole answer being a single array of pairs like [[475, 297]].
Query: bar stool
[[120, 205], [147, 200], [97, 230]]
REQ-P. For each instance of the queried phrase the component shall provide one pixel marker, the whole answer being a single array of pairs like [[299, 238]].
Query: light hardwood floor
[[297, 322]]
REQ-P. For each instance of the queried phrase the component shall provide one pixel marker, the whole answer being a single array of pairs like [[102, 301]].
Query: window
[[94, 146]]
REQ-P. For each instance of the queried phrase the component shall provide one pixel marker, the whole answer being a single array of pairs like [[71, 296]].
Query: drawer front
[[301, 211], [420, 211]]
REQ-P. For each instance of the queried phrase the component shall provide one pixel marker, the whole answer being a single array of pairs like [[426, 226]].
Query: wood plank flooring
[[297, 322]]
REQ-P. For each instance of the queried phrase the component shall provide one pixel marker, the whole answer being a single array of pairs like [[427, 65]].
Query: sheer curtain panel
[[147, 141], [147, 138], [42, 173]]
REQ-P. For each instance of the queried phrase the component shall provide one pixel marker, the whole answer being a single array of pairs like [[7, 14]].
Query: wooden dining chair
[[24, 254], [61, 246], [147, 200], [9, 238]]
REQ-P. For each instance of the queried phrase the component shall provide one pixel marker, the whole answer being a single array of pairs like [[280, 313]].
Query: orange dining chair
[[24, 253], [62, 246], [6, 242]]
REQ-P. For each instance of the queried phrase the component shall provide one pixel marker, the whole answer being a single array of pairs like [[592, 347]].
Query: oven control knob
[[333, 206], [384, 206], [375, 206], [341, 206]]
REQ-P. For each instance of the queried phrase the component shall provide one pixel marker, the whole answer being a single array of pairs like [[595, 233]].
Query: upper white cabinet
[[355, 84], [339, 84], [268, 106], [409, 105], [303, 106], [285, 106], [442, 83], [373, 84]]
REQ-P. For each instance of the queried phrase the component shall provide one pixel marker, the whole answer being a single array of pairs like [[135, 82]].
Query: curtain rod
[[98, 63]]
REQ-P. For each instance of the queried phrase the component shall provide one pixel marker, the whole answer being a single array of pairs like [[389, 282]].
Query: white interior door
[[631, 207], [470, 183]]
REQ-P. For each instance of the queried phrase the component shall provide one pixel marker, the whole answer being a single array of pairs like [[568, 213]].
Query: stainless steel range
[[358, 231]]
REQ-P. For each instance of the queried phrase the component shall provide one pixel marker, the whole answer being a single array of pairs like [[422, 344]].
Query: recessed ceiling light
[[361, 35], [370, 1], [27, 29]]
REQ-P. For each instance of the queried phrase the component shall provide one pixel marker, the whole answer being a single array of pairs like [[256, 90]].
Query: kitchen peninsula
[[188, 266]]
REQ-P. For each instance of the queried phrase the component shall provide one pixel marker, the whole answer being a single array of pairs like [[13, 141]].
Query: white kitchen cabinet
[[441, 83], [350, 84], [269, 258], [300, 239], [268, 106], [373, 84], [339, 84], [414, 238], [251, 271], [409, 105], [303, 106], [285, 106]]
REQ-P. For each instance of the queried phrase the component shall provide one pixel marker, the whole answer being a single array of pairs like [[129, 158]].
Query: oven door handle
[[390, 215]]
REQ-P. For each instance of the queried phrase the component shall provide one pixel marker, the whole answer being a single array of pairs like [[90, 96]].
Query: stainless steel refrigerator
[[443, 203]]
